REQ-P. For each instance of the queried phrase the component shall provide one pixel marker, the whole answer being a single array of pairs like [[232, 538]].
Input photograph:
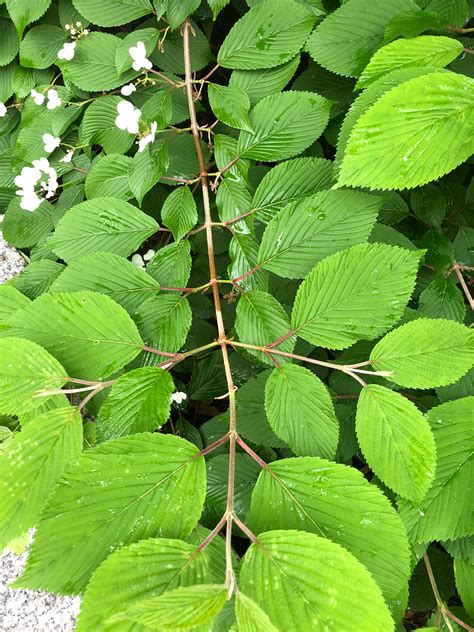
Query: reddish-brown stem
[[209, 74], [213, 533], [239, 217], [245, 274], [244, 528], [158, 352], [456, 29], [214, 446], [253, 454], [164, 77]]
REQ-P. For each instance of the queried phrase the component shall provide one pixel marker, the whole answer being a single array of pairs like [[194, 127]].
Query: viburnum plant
[[235, 376]]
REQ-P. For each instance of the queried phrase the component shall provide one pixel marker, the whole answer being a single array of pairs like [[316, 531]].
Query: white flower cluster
[[128, 117], [67, 51], [139, 261], [178, 397], [69, 48], [138, 54], [3, 110], [29, 178], [52, 96]]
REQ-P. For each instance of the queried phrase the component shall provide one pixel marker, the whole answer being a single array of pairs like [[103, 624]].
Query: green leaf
[[261, 320], [9, 43], [269, 35], [109, 274], [87, 332], [108, 177], [171, 57], [179, 212], [446, 511], [330, 308], [453, 11], [312, 228], [334, 501], [24, 229], [243, 253], [98, 126], [103, 224], [40, 46], [259, 84], [425, 353], [171, 266], [158, 108], [400, 127], [396, 441], [464, 574], [290, 181], [38, 277], [284, 125], [148, 167], [183, 607], [442, 299], [10, 301], [346, 39], [230, 105], [177, 12], [32, 463], [300, 411], [113, 12], [305, 582], [139, 401], [26, 369], [150, 566], [23, 12], [234, 199], [250, 617], [117, 493], [149, 37], [217, 6], [426, 50], [93, 66]]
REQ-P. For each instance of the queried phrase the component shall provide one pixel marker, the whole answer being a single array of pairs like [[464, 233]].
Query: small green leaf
[[108, 177], [243, 253], [230, 105], [179, 212], [177, 12], [113, 12], [171, 266], [259, 84], [148, 167], [98, 126], [250, 617], [23, 12], [9, 43], [442, 299], [10, 301]]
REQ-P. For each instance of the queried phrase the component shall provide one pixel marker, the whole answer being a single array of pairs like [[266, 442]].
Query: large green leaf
[[9, 43], [127, 284], [426, 50], [139, 401], [269, 35], [183, 607], [392, 144], [356, 294], [98, 126], [143, 569], [306, 231], [305, 582], [148, 167], [108, 177], [22, 12], [464, 573], [40, 46], [230, 105], [442, 299], [32, 463], [446, 511], [396, 440], [106, 224], [345, 41], [179, 212], [117, 493], [90, 334], [113, 12], [260, 321], [300, 411], [11, 300], [425, 353], [284, 125], [335, 501], [26, 369], [259, 84]]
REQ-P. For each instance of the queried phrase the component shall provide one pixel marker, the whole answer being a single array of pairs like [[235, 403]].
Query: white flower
[[67, 51], [178, 397], [68, 156], [28, 179], [149, 138], [53, 99], [50, 142], [52, 184], [138, 260], [138, 54], [30, 201], [128, 89], [128, 117], [149, 255], [38, 97], [3, 110]]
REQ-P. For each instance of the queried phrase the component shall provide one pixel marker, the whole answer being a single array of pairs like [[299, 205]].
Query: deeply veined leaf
[[426, 50], [108, 177], [346, 39], [106, 224], [183, 607], [312, 228], [396, 440], [305, 582], [300, 411], [177, 12], [284, 125], [26, 369], [425, 353], [23, 12], [269, 35], [171, 266], [243, 253], [335, 501], [106, 273], [113, 12], [32, 463], [117, 493], [139, 401], [38, 277], [464, 574], [143, 569], [413, 134], [250, 617], [230, 105], [179, 212], [442, 299], [87, 332], [290, 181], [261, 320], [39, 48], [446, 511], [98, 126], [10, 42], [331, 308], [259, 84], [148, 167], [11, 300]]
